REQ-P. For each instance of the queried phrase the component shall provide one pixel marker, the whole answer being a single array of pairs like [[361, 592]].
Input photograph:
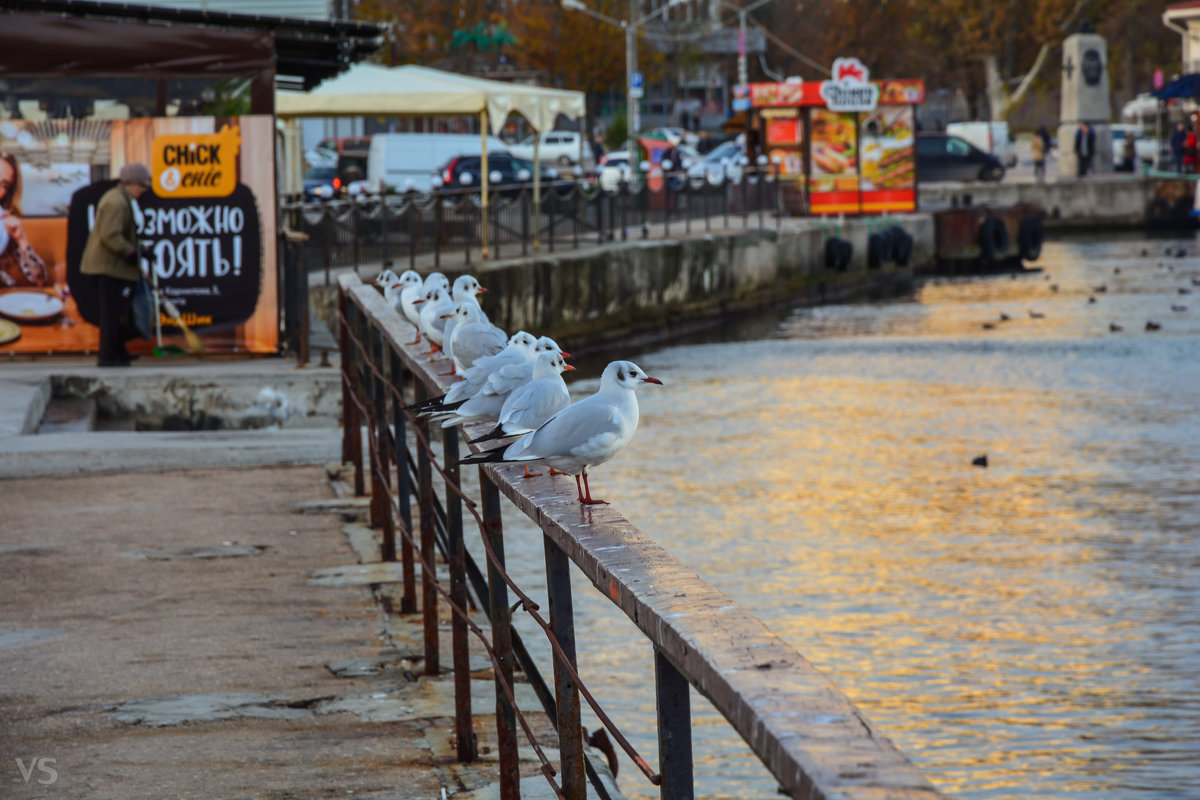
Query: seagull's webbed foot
[[529, 474], [585, 492], [554, 471]]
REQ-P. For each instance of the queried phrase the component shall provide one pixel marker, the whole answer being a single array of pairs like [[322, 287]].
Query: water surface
[[1028, 629]]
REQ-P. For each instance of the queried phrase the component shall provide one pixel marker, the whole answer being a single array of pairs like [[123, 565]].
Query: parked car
[[1145, 148], [942, 157], [990, 137], [723, 163], [615, 167], [505, 172], [321, 183], [401, 162], [560, 147], [345, 177]]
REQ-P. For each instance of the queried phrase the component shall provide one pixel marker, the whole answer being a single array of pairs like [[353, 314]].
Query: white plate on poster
[[30, 306]]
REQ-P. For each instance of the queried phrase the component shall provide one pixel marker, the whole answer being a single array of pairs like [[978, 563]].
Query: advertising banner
[[833, 153], [206, 229], [889, 165]]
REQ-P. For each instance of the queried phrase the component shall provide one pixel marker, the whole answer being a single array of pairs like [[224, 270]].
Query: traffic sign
[[635, 85]]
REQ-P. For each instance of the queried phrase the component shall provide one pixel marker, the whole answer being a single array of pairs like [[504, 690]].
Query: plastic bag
[[141, 309]]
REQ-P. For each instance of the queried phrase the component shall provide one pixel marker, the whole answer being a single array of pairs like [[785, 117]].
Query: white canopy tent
[[415, 91]]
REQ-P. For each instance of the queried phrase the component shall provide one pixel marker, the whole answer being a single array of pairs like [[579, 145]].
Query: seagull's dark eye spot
[[620, 374]]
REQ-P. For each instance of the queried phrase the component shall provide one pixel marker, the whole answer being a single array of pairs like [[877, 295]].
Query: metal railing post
[[387, 551], [506, 718], [408, 601], [354, 233], [429, 559], [351, 360], [465, 745], [566, 693], [348, 415], [674, 730]]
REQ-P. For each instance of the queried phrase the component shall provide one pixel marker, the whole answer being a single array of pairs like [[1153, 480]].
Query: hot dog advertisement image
[[888, 160], [834, 151]]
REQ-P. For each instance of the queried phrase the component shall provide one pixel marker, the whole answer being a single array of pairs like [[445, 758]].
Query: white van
[[400, 162], [990, 137]]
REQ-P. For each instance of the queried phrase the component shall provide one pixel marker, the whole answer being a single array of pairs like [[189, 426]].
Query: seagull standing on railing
[[434, 311], [464, 291], [501, 382], [521, 348], [584, 434], [473, 336], [411, 295], [535, 402]]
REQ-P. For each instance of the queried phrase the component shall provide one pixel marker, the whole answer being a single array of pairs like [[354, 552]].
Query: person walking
[[1189, 151], [1037, 147], [1178, 142], [1085, 149], [111, 258]]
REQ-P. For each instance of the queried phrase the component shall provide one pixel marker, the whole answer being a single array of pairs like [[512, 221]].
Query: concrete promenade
[[184, 616]]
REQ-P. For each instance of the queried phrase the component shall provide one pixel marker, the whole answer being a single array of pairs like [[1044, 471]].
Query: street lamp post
[[743, 74], [630, 26]]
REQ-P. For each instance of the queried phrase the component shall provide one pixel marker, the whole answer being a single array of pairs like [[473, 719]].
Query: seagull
[[584, 434], [436, 307], [535, 402], [385, 279], [464, 290], [473, 336], [519, 350], [409, 286]]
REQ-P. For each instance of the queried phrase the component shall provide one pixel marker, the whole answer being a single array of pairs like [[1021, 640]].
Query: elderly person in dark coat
[[111, 256]]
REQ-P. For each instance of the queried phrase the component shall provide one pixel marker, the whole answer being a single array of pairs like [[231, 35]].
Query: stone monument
[[1084, 99]]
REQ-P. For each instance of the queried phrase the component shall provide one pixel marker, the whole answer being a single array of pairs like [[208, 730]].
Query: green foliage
[[617, 132]]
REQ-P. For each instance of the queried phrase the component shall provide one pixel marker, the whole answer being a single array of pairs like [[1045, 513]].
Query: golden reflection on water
[[988, 621]]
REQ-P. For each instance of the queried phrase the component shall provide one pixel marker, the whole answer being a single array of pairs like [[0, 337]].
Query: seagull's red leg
[[529, 474], [451, 372], [416, 340], [588, 500], [579, 488]]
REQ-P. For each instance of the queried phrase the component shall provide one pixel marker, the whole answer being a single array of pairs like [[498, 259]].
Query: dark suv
[[942, 157], [514, 172]]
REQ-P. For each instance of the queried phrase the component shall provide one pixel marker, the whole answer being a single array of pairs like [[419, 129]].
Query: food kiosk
[[848, 142]]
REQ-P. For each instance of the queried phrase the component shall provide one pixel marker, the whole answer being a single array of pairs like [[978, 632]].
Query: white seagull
[[535, 402], [584, 434], [502, 381], [473, 337], [436, 307], [520, 349]]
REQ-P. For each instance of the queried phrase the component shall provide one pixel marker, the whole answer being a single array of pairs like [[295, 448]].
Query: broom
[[194, 344]]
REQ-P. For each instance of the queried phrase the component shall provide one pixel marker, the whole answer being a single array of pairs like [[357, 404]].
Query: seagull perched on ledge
[[584, 434]]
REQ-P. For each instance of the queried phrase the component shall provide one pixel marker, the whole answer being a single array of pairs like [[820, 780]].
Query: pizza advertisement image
[[889, 159], [206, 229], [833, 155]]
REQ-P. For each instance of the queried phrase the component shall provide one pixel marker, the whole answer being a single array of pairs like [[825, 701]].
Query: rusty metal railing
[[810, 737]]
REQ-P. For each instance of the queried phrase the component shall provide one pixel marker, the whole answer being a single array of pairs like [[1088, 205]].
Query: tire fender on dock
[[993, 238], [1030, 236]]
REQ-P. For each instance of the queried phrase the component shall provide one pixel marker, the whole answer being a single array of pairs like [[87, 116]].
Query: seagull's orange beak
[[447, 316], [418, 301], [568, 368], [564, 354], [481, 290], [652, 380]]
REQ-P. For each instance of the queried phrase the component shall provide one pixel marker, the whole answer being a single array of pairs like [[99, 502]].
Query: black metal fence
[[446, 224]]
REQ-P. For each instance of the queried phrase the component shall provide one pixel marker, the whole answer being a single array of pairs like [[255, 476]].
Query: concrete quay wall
[[1093, 202], [645, 289]]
